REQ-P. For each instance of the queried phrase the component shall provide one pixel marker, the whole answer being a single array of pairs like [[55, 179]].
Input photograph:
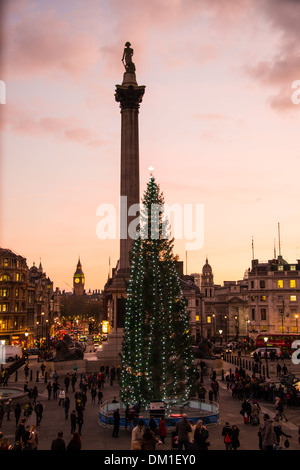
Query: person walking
[[38, 409], [200, 436], [49, 389], [73, 419], [66, 406], [137, 436], [116, 417], [149, 440], [235, 442], [59, 442], [20, 430], [55, 389], [162, 429], [227, 433], [80, 420], [17, 413], [279, 409], [61, 397], [267, 436], [183, 428], [75, 442], [33, 439]]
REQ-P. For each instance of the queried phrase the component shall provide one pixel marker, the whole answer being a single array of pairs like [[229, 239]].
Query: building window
[[293, 267], [293, 298], [208, 319], [262, 284], [263, 314], [253, 313], [280, 268], [292, 283], [280, 284], [252, 284], [263, 328], [262, 298]]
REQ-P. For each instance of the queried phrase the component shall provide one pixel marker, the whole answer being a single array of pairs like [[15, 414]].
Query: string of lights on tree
[[157, 359]]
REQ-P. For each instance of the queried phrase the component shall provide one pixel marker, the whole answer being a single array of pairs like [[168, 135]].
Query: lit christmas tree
[[157, 360]]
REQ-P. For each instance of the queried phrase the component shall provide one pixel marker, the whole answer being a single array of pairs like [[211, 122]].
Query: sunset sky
[[217, 123]]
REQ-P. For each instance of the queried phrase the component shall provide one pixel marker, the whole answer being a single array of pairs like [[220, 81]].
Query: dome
[[206, 268]]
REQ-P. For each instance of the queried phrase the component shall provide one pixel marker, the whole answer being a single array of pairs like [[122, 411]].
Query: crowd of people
[[28, 416]]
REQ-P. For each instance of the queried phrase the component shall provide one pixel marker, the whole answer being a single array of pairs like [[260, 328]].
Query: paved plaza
[[97, 437]]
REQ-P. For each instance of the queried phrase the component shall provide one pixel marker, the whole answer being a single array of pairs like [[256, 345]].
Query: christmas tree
[[157, 360]]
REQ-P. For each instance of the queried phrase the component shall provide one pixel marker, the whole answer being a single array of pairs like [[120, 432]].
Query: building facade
[[27, 301]]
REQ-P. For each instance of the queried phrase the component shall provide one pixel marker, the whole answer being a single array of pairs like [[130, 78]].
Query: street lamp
[[296, 316], [266, 343], [221, 332]]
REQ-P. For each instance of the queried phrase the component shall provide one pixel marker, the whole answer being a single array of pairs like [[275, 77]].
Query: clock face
[[77, 280]]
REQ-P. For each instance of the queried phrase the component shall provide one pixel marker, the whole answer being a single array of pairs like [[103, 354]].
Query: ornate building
[[78, 280], [27, 301]]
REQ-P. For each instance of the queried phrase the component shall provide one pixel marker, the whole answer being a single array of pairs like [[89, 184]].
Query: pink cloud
[[24, 121], [40, 42]]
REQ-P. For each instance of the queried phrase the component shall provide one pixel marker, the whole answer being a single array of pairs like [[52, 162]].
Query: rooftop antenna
[[274, 249], [279, 239], [252, 249]]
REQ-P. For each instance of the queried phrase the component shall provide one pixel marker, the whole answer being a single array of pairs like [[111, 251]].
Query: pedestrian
[[49, 389], [73, 419], [2, 412], [80, 420], [227, 433], [67, 407], [55, 388], [93, 393], [26, 370], [33, 439], [267, 436], [67, 382], [200, 436], [235, 437], [20, 430], [280, 436], [137, 436], [59, 442], [75, 442], [38, 409], [17, 413], [4, 442], [100, 396], [153, 425], [162, 429], [279, 409], [43, 368], [8, 409], [182, 429], [116, 417], [73, 381], [61, 397], [191, 433], [131, 418], [34, 394], [149, 440]]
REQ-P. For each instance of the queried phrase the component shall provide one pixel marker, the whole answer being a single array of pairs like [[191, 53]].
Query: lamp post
[[221, 332], [43, 313], [267, 366], [214, 326], [296, 316]]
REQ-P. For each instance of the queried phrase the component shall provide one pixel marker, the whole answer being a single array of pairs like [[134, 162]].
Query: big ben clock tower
[[78, 280]]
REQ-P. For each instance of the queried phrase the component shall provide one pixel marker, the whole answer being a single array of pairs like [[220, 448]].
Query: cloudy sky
[[217, 123]]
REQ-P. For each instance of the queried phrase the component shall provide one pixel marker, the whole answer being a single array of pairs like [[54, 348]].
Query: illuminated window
[[293, 298], [263, 298], [208, 319], [281, 329], [280, 283], [292, 283], [17, 276], [263, 314], [197, 318], [293, 267], [17, 292], [280, 268]]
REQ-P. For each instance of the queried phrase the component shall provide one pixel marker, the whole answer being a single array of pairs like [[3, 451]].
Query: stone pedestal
[[109, 354]]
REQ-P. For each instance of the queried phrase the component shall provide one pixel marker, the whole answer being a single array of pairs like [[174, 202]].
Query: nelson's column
[[129, 95]]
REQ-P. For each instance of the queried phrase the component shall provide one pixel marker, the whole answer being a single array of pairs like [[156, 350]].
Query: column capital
[[129, 96]]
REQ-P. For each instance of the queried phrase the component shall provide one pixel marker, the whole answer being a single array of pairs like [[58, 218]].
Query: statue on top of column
[[127, 58]]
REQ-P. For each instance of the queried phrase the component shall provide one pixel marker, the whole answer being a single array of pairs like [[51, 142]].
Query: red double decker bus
[[280, 340]]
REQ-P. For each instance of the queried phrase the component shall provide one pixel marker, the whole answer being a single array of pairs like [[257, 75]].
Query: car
[[269, 350], [33, 351]]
